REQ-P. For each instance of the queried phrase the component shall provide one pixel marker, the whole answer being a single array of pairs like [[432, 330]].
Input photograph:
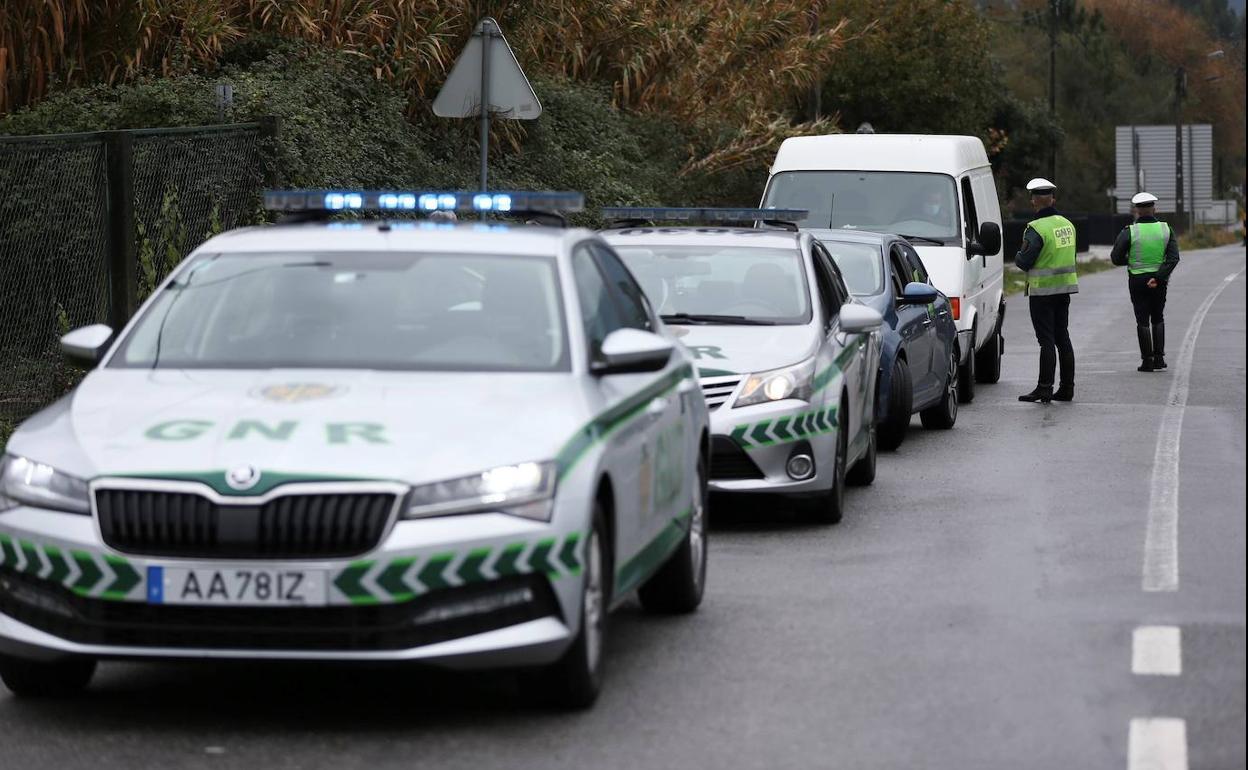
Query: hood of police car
[[304, 425], [721, 350]]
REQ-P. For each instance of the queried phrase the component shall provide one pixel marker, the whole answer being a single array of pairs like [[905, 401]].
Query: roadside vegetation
[[1016, 280], [1208, 237]]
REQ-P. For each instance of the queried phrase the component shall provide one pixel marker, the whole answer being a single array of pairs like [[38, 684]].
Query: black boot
[[1042, 393], [1145, 336], [1065, 392], [1159, 345]]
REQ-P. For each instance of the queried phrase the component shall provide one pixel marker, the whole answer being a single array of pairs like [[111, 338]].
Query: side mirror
[[86, 346], [859, 319], [628, 351], [916, 293], [988, 241]]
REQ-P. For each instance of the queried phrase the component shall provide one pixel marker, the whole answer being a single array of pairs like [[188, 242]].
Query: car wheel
[[576, 679], [677, 587], [828, 507], [966, 376], [988, 365], [40, 679], [863, 472], [893, 427], [944, 413]]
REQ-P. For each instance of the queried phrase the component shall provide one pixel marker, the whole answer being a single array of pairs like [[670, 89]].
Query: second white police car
[[787, 358], [361, 440]]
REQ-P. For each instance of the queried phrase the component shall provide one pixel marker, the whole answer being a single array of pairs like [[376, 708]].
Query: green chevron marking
[[470, 569], [89, 573], [539, 561], [33, 562], [781, 430], [738, 434], [391, 579], [821, 424], [567, 554], [60, 568], [348, 581], [506, 563], [759, 434], [127, 577], [7, 554], [431, 575]]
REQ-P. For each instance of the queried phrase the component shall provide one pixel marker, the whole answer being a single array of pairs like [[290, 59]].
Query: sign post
[[485, 79]]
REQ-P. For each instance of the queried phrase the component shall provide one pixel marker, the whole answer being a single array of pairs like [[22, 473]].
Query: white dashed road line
[[1157, 651], [1157, 744], [1161, 541]]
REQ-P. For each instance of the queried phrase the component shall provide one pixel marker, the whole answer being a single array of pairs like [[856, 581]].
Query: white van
[[938, 192]]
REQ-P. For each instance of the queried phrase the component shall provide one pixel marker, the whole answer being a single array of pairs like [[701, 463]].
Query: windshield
[[904, 203], [419, 312], [861, 266], [754, 284]]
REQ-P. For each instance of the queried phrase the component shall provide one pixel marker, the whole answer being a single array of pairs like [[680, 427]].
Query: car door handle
[[686, 385], [657, 407], [928, 322]]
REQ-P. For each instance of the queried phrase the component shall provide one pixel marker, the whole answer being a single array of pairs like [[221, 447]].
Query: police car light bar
[[420, 200], [664, 214]]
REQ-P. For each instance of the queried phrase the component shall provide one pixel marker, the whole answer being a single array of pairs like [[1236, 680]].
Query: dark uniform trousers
[[1149, 304], [1050, 315]]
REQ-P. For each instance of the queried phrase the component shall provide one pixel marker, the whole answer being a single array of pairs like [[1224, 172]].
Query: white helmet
[[1143, 199], [1041, 186]]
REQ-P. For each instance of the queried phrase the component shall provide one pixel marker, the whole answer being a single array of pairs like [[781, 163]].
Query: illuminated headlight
[[42, 486], [789, 382], [526, 490]]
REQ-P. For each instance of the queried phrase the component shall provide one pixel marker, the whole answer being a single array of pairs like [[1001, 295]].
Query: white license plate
[[240, 585]]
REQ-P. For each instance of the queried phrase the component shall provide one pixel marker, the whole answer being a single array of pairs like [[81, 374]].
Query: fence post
[[122, 271]]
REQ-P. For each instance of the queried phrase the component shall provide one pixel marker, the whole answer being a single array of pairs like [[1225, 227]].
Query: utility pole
[[1180, 87], [1053, 11]]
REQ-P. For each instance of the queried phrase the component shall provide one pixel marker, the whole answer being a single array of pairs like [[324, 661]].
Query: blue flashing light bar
[[667, 214], [417, 200]]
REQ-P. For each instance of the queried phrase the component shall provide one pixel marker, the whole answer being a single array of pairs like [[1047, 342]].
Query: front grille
[[717, 390], [377, 627], [161, 523], [730, 462]]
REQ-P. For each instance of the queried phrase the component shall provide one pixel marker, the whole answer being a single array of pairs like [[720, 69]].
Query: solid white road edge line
[[1161, 540], [1157, 743], [1157, 651]]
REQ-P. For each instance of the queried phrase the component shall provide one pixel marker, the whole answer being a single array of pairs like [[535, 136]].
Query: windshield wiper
[[924, 238], [704, 318]]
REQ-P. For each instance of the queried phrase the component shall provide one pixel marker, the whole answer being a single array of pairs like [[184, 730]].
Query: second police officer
[[1048, 258], [1150, 250]]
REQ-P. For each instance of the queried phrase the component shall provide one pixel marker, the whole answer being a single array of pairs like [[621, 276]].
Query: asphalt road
[[976, 609]]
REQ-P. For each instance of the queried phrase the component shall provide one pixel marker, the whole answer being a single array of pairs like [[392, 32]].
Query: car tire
[[677, 587], [829, 507], [988, 360], [863, 472], [892, 429], [575, 680], [943, 415], [966, 376], [41, 679]]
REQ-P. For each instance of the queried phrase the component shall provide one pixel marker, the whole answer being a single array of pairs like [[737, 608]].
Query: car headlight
[[790, 382], [526, 489], [33, 483]]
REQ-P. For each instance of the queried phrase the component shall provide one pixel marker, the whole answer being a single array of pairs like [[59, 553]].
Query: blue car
[[919, 355]]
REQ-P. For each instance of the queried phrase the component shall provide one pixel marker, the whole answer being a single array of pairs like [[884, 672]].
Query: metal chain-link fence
[[89, 223]]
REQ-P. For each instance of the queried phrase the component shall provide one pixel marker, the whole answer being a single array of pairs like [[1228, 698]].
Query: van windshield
[[900, 202]]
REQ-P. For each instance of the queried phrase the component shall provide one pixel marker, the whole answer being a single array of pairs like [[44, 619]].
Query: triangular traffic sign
[[508, 90]]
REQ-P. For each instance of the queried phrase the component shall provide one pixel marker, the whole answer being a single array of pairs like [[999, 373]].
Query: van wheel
[[988, 363], [893, 427], [677, 587], [966, 376], [40, 679], [944, 413]]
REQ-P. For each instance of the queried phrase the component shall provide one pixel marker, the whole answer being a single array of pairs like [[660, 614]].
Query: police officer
[[1048, 257], [1150, 250]]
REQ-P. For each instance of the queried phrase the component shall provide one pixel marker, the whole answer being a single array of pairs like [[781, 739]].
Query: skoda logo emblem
[[243, 477]]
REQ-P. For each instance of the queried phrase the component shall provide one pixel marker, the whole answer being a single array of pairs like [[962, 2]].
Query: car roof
[[941, 154], [851, 236], [703, 235], [404, 236]]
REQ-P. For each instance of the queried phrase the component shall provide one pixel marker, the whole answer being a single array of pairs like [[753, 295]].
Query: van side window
[[971, 215]]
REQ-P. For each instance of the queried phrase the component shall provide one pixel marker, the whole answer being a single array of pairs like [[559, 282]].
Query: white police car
[[361, 440], [786, 358]]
